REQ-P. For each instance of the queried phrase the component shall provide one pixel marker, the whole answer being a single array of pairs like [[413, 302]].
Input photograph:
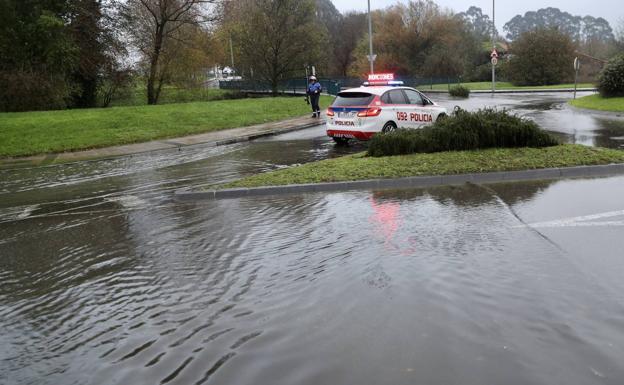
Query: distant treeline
[[57, 54]]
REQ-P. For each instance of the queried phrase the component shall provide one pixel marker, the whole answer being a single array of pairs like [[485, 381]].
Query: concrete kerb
[[605, 114], [409, 182]]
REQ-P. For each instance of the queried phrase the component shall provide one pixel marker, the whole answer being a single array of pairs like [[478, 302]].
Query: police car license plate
[[347, 114], [343, 135]]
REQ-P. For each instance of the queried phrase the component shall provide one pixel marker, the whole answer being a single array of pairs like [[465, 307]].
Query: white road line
[[583, 221]]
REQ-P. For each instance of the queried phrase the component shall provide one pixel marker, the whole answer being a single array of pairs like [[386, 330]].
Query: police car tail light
[[372, 111], [330, 112]]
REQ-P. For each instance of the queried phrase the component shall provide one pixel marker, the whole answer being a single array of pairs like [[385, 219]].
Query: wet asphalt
[[106, 280]]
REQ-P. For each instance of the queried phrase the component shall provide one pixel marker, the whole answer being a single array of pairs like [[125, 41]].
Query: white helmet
[[312, 77]]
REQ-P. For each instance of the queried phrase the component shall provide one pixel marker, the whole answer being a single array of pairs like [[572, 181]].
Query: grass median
[[361, 167], [597, 102], [31, 133]]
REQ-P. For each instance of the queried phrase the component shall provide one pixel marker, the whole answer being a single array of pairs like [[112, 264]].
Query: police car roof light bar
[[386, 79]]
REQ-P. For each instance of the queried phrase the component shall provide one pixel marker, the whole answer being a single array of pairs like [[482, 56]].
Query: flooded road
[[105, 280], [552, 113]]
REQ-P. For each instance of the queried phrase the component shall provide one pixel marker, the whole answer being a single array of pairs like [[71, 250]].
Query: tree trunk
[[152, 91], [274, 87]]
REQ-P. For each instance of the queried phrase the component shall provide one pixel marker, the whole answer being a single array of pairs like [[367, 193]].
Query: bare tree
[[156, 26], [276, 37]]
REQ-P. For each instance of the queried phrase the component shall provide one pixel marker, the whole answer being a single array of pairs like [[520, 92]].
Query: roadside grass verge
[[361, 167], [478, 86], [137, 96], [597, 102], [30, 133]]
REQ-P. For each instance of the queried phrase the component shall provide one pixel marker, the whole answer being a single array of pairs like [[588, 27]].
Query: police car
[[380, 105]]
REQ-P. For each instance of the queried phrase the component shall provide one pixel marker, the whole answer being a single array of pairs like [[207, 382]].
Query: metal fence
[[332, 86], [291, 86], [416, 82]]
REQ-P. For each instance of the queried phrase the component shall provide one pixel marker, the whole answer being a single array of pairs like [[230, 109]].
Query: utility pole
[[371, 57], [493, 46], [232, 52]]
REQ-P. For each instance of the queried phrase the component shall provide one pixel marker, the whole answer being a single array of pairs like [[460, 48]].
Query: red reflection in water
[[386, 217]]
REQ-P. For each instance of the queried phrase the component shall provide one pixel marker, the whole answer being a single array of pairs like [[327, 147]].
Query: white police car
[[380, 105]]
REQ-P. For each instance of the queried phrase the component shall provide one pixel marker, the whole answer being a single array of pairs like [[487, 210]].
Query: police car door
[[400, 107], [419, 113]]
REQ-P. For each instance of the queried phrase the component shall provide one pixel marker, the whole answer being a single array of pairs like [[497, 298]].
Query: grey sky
[[612, 10]]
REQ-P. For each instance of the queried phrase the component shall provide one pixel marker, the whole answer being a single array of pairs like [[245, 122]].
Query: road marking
[[583, 221]]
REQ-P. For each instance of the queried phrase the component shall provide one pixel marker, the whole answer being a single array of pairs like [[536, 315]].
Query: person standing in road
[[314, 90]]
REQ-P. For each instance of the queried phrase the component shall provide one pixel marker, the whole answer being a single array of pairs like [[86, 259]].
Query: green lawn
[[137, 96], [29, 133], [597, 102], [360, 167], [503, 86]]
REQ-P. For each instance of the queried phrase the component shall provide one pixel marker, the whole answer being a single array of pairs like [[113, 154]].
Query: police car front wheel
[[389, 127]]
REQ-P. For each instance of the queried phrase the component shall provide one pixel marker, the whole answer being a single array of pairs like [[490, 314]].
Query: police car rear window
[[353, 99]]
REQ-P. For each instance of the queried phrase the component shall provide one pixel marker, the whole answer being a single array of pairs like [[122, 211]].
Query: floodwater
[[552, 113], [104, 279]]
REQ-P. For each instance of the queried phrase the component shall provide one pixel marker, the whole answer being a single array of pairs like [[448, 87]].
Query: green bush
[[459, 91], [611, 79], [542, 57], [463, 130]]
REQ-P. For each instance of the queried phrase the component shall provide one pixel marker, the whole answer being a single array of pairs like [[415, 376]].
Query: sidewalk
[[214, 138]]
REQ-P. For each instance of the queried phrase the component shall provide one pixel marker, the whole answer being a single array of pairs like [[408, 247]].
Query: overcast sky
[[612, 10]]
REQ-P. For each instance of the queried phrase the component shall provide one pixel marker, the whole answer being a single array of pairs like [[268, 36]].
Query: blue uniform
[[314, 90]]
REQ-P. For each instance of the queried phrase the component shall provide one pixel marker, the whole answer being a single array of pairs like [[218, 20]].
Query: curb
[[606, 114], [409, 182], [168, 144]]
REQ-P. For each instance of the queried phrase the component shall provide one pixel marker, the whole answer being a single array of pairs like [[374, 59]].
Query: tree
[[93, 39], [418, 39], [37, 55], [479, 24], [340, 39], [276, 38], [344, 42], [155, 26], [577, 27], [542, 57], [611, 79]]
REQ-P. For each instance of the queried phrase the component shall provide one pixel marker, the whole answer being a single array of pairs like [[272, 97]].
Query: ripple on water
[[393, 287]]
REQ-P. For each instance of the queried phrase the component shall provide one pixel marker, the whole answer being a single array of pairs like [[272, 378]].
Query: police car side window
[[397, 97], [385, 98], [414, 97]]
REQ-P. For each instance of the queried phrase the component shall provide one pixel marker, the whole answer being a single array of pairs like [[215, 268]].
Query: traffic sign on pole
[[494, 61]]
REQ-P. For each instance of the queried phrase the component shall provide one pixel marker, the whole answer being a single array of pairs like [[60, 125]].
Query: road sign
[[494, 54], [494, 61], [369, 57], [577, 64]]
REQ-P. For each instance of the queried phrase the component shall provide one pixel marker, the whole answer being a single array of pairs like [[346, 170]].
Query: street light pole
[[232, 52], [493, 46], [371, 58]]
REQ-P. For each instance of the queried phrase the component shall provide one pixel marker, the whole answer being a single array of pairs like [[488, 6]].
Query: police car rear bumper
[[348, 134]]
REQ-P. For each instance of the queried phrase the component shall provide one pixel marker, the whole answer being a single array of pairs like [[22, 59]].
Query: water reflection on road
[[552, 113], [105, 279]]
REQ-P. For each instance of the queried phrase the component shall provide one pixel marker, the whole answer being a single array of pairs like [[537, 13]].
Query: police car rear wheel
[[341, 141], [388, 127]]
